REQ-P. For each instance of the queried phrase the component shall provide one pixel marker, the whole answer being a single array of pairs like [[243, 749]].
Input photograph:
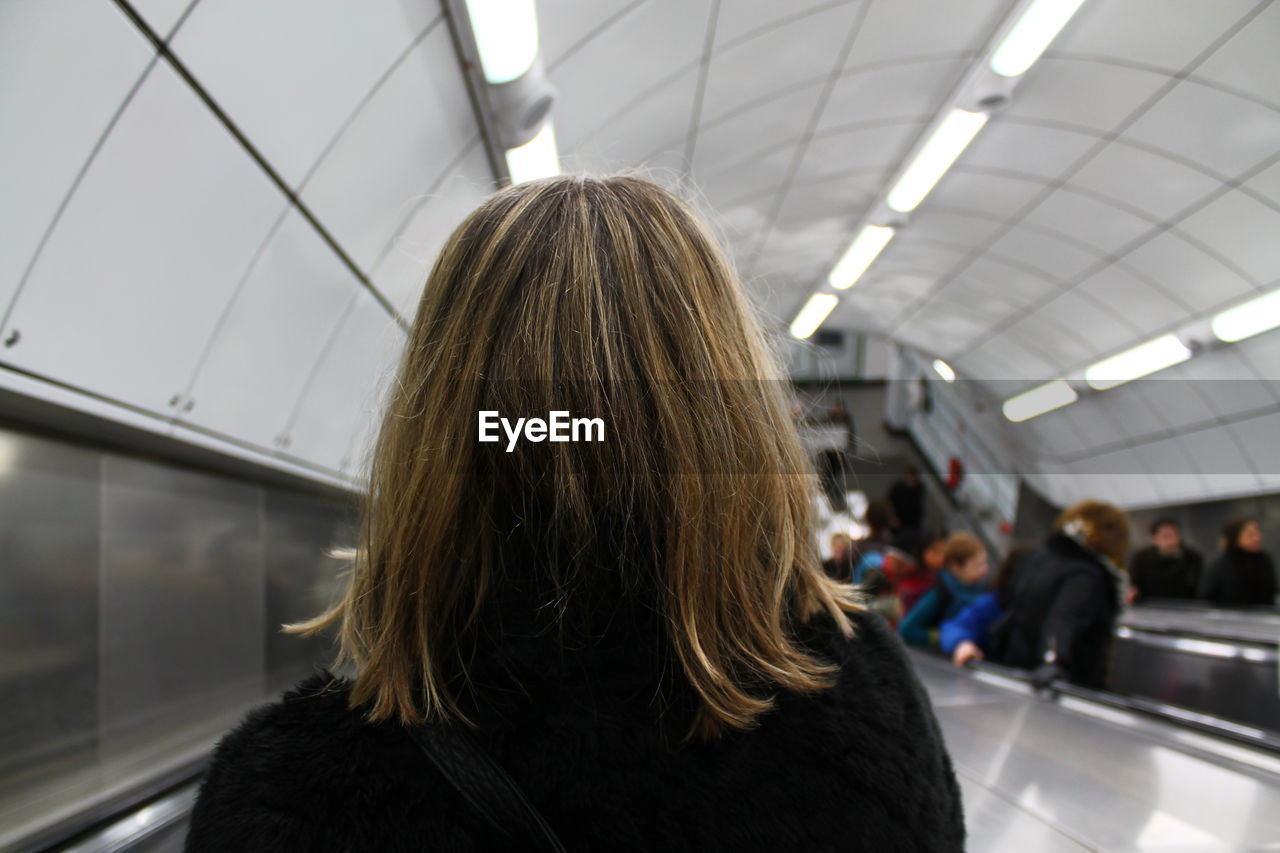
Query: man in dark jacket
[[1167, 568], [1064, 602]]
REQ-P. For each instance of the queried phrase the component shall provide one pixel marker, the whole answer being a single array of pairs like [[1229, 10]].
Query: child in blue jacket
[[967, 635], [960, 584]]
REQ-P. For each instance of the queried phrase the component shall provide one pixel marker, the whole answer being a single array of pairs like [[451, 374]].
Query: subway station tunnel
[[1032, 248]]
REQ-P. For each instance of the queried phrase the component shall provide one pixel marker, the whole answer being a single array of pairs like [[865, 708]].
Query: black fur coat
[[861, 766]]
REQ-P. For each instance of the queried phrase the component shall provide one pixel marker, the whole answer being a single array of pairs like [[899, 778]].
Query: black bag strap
[[486, 787]]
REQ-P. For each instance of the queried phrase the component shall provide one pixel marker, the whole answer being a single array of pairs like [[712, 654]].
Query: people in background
[[1243, 574], [1167, 568], [907, 498], [960, 584], [840, 566], [1065, 597], [967, 636], [929, 564]]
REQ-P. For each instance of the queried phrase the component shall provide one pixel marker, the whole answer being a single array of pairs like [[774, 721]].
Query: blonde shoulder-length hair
[[606, 296]]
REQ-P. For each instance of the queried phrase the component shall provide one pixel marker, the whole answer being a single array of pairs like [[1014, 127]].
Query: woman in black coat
[[1243, 574], [1064, 600], [637, 630]]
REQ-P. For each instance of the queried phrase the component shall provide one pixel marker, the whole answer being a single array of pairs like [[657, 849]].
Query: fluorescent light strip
[[1252, 318], [952, 136], [1037, 27], [1039, 400], [944, 370], [812, 315], [1142, 360], [506, 34], [865, 248], [537, 158]]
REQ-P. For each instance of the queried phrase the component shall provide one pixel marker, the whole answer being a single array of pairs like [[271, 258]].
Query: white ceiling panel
[[1223, 132], [960, 226], [1247, 62], [998, 195], [566, 25], [1221, 462], [1074, 215], [1003, 357], [778, 121], [148, 253], [1267, 184], [894, 30], [858, 148], [913, 89], [1053, 89], [1132, 413], [417, 123], [1154, 184], [1007, 144], [1093, 421], [270, 339], [802, 50], [1258, 437], [301, 66], [1242, 229], [1176, 398], [162, 15], [1081, 325], [1262, 354], [1196, 278], [86, 56], [1224, 380], [1167, 457], [402, 271], [347, 389], [641, 133], [1057, 259], [844, 198], [1051, 436], [1166, 33], [741, 19], [1013, 282], [1133, 298], [599, 83]]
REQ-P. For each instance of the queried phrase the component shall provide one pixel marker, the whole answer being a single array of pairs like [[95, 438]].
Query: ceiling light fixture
[[944, 370], [1252, 318], [1039, 400], [1037, 27], [1142, 360], [812, 315], [506, 34], [537, 158], [861, 253], [952, 136]]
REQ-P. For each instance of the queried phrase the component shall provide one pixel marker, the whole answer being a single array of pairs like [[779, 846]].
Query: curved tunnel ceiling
[[231, 243]]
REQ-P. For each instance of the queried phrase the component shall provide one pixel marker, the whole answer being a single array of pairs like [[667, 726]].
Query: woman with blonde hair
[[1063, 603], [620, 642]]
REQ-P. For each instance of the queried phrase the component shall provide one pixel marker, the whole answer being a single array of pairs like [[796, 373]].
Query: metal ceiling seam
[[699, 92], [802, 147], [1104, 140], [247, 145]]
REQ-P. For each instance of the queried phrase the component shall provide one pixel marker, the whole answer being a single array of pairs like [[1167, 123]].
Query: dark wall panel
[[49, 514]]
